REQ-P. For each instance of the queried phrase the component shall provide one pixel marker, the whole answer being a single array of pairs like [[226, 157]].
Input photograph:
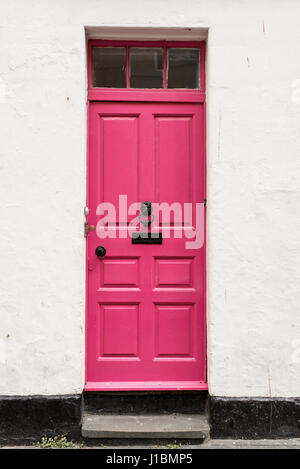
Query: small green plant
[[58, 442], [174, 445]]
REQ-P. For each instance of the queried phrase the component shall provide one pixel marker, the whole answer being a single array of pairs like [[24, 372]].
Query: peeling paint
[[219, 134], [269, 383]]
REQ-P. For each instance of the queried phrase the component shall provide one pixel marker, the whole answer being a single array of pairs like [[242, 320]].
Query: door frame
[[146, 95]]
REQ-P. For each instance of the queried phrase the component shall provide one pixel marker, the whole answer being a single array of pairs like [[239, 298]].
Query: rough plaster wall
[[253, 141]]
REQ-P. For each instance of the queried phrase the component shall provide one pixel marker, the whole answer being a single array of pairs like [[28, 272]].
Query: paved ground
[[158, 426], [210, 444], [252, 444]]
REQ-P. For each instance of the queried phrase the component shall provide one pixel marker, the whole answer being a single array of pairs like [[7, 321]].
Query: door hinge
[[86, 225], [86, 229], [205, 202]]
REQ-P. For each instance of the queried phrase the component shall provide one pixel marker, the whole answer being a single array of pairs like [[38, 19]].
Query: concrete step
[[170, 426]]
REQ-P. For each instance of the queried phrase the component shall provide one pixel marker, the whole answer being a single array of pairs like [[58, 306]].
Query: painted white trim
[[145, 33]]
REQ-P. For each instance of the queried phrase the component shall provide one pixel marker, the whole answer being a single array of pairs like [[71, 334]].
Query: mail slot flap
[[146, 238]]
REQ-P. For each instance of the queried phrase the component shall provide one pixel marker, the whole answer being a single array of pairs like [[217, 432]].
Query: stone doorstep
[[175, 426]]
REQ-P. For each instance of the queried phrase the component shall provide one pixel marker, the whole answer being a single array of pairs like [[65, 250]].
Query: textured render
[[253, 140]]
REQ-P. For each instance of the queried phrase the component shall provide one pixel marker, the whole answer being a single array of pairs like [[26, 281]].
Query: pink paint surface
[[145, 324]]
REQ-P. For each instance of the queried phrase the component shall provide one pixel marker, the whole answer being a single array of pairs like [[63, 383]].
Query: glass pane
[[183, 68], [146, 67], [109, 67]]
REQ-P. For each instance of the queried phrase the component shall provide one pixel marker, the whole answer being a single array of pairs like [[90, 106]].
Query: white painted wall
[[253, 116]]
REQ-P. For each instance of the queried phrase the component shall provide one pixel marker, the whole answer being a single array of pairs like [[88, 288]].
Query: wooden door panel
[[146, 303]]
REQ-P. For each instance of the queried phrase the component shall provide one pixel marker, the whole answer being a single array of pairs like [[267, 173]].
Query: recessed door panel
[[119, 330], [119, 155], [173, 330], [117, 273], [174, 272], [173, 158]]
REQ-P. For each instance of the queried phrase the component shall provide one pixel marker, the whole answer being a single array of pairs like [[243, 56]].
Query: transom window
[[139, 66]]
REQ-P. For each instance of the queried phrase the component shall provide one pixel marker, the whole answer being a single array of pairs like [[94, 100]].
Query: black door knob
[[100, 251]]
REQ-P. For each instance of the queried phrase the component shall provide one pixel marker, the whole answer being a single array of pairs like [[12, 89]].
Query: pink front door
[[146, 302]]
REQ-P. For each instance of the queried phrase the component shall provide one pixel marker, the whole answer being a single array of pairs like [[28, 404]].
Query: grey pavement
[[293, 443]]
